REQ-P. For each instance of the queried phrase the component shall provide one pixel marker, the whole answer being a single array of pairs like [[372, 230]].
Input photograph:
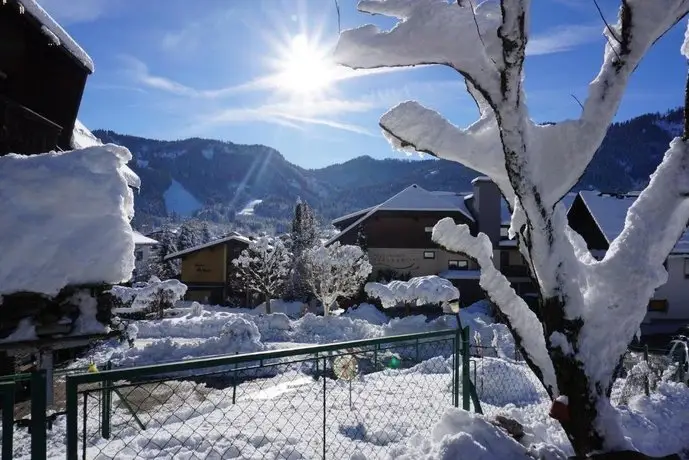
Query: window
[[428, 229], [429, 254], [139, 255], [457, 264], [658, 305], [686, 268]]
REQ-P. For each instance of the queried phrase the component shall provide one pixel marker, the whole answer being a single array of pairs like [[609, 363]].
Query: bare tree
[[588, 310], [263, 267]]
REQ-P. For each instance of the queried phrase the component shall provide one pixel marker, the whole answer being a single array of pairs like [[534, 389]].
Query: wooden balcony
[[24, 131]]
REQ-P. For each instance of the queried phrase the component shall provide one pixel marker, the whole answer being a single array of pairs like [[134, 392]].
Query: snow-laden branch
[[523, 321], [469, 39], [640, 24], [633, 265]]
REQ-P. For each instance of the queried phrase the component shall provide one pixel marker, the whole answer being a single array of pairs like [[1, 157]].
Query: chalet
[[207, 269], [599, 218], [43, 73], [397, 236]]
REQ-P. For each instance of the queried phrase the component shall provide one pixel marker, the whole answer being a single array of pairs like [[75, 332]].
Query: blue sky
[[171, 69]]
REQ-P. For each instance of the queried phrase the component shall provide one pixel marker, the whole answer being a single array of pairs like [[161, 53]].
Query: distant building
[[397, 236], [144, 248], [43, 73], [599, 218], [207, 269]]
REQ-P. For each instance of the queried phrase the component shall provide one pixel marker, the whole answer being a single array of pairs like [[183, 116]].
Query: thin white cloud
[[563, 38], [74, 11]]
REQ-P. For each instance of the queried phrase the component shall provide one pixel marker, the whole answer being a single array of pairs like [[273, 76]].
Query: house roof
[[610, 211], [141, 239], [412, 198], [232, 236], [55, 32]]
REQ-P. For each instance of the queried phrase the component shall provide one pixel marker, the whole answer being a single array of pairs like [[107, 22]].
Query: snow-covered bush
[[150, 300], [263, 267], [589, 310], [196, 309], [422, 290], [335, 271]]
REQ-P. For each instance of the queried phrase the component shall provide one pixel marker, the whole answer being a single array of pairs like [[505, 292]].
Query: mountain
[[254, 186]]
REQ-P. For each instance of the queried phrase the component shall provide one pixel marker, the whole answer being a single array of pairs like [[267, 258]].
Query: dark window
[[457, 264], [139, 255], [429, 254], [686, 268], [659, 305]]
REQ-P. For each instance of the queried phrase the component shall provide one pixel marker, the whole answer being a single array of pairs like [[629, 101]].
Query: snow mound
[[462, 435], [65, 219], [291, 309], [500, 382], [369, 313], [237, 336], [321, 329], [422, 290], [140, 299]]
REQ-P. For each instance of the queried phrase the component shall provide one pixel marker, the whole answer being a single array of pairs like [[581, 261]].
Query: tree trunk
[[268, 310]]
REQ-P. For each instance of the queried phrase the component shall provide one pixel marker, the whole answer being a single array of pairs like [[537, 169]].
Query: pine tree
[[165, 269], [303, 237]]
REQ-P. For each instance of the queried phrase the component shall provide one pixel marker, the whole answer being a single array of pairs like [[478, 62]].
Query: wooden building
[[396, 235], [43, 73], [207, 269]]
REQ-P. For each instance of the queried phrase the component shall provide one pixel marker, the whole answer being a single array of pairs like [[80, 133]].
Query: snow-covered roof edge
[[234, 236], [142, 239], [352, 214], [56, 33]]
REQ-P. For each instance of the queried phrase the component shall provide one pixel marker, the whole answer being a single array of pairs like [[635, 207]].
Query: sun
[[304, 68]]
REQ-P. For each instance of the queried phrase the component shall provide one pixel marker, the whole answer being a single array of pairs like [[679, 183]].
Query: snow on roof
[[233, 236], [352, 214], [142, 239], [77, 234], [56, 33], [82, 138], [412, 198], [610, 211]]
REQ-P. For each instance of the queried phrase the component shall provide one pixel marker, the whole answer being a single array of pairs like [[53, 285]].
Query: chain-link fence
[[315, 402]]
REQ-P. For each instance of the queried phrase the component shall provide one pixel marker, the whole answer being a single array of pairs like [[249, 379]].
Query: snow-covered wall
[[65, 219]]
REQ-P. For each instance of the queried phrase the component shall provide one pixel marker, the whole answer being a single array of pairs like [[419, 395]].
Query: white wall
[[676, 292], [147, 251]]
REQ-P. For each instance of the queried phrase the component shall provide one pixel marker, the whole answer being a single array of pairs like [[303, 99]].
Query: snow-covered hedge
[[65, 220], [150, 299], [422, 290]]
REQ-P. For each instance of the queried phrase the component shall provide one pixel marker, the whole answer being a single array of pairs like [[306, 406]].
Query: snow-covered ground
[[400, 413], [248, 210]]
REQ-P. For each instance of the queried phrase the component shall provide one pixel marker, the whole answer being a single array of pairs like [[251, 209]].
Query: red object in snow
[[559, 410]]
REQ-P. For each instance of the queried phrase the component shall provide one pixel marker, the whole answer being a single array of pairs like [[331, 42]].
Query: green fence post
[[38, 420], [7, 390], [417, 350], [466, 382], [72, 415], [325, 365], [106, 404], [455, 367]]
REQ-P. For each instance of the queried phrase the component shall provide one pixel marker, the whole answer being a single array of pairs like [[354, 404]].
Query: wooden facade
[[208, 271], [41, 86]]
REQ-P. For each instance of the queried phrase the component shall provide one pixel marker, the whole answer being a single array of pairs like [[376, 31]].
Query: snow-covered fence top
[[421, 290], [65, 220]]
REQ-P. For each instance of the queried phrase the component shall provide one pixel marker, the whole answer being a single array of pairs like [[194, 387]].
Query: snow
[[58, 35], [179, 201], [143, 239], [86, 323], [208, 153], [458, 238], [292, 309], [368, 313], [685, 43], [610, 213], [248, 210], [140, 299], [421, 290], [65, 219], [82, 138]]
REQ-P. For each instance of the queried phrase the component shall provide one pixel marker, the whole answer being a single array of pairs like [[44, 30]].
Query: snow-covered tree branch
[[263, 267], [588, 310], [335, 271]]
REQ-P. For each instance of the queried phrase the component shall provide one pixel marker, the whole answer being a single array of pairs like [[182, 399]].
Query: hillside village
[[512, 312]]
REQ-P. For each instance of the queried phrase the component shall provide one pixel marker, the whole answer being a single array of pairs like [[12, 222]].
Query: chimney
[[487, 208]]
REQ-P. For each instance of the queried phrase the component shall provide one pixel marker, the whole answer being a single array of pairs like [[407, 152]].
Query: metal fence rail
[[305, 402]]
